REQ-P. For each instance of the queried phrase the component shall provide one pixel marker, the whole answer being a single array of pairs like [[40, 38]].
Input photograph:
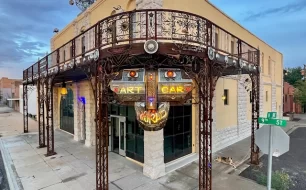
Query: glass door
[[122, 132], [118, 134], [109, 133]]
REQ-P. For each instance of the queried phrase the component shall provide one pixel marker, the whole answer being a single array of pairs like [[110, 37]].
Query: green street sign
[[277, 122], [263, 120], [271, 115]]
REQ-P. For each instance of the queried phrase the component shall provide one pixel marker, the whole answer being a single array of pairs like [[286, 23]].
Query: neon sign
[[174, 89], [129, 90], [152, 119]]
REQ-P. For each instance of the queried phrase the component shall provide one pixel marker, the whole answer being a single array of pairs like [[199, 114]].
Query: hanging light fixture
[[64, 90]]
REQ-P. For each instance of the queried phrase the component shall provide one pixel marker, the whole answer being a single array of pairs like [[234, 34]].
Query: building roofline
[[76, 19], [243, 27]]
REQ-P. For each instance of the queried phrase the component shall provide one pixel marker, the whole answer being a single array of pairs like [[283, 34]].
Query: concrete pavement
[[74, 165]]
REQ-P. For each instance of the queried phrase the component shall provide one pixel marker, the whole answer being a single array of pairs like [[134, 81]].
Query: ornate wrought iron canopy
[[149, 39]]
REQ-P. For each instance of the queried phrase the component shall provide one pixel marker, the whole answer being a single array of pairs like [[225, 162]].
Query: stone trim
[[154, 166], [56, 108], [232, 134], [273, 98], [149, 4]]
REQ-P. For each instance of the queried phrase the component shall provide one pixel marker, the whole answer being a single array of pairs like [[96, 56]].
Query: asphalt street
[[292, 162]]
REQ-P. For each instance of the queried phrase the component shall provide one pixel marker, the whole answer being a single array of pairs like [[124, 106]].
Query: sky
[[26, 27]]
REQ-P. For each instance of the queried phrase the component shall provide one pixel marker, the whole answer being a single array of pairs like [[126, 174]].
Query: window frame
[[226, 94]]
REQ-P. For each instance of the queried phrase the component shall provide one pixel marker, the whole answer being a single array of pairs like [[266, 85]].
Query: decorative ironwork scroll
[[41, 113], [183, 40], [102, 81], [25, 109], [49, 116], [255, 113]]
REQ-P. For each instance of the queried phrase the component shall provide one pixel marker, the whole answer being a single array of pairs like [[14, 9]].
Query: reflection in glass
[[67, 113], [177, 133], [122, 135], [115, 126], [134, 134]]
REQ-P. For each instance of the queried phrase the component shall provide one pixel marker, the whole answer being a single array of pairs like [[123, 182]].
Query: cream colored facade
[[232, 122]]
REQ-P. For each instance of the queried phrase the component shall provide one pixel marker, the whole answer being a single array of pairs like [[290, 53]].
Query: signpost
[[272, 140]]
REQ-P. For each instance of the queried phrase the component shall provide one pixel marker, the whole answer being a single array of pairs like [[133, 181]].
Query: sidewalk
[[73, 167]]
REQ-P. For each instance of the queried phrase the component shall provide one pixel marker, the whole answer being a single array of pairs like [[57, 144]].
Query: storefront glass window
[[177, 133]]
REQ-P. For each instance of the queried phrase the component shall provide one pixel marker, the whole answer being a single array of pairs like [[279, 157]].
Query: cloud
[[286, 9], [26, 28]]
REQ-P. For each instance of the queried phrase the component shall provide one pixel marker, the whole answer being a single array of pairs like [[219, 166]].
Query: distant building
[[32, 100], [289, 105], [8, 91]]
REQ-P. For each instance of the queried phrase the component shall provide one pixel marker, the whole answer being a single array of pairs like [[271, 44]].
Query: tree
[[293, 75], [300, 92]]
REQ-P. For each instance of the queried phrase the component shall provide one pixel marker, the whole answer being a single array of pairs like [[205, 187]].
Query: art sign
[[151, 92]]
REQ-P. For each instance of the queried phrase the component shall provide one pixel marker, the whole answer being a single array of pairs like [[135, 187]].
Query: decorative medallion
[[240, 63], [226, 59], [211, 53], [96, 55], [151, 46]]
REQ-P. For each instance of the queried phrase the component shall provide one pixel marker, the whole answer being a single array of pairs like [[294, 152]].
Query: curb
[[8, 164], [293, 128]]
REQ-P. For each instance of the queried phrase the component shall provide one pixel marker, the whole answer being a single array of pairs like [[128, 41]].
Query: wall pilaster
[[154, 166]]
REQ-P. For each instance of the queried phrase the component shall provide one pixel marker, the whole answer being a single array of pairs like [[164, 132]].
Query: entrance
[[67, 114], [117, 138]]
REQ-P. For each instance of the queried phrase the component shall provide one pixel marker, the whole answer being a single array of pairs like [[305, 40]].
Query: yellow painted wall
[[278, 98], [63, 37], [209, 11], [104, 8], [267, 101], [226, 114], [99, 10]]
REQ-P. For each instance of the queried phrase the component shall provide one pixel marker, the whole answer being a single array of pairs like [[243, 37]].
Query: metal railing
[[167, 26]]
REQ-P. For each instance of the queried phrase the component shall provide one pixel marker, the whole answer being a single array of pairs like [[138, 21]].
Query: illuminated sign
[[129, 90], [152, 92], [181, 88], [152, 119]]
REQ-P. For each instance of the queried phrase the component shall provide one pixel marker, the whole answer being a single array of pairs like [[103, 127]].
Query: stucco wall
[[226, 114], [79, 89], [32, 100], [231, 122]]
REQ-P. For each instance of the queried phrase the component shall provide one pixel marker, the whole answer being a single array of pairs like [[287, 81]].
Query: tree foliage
[[300, 92], [293, 75]]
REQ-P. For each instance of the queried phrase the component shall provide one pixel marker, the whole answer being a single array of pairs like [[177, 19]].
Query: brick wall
[[288, 95]]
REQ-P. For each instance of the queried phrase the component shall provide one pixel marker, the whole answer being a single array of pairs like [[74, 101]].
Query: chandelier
[[82, 4]]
